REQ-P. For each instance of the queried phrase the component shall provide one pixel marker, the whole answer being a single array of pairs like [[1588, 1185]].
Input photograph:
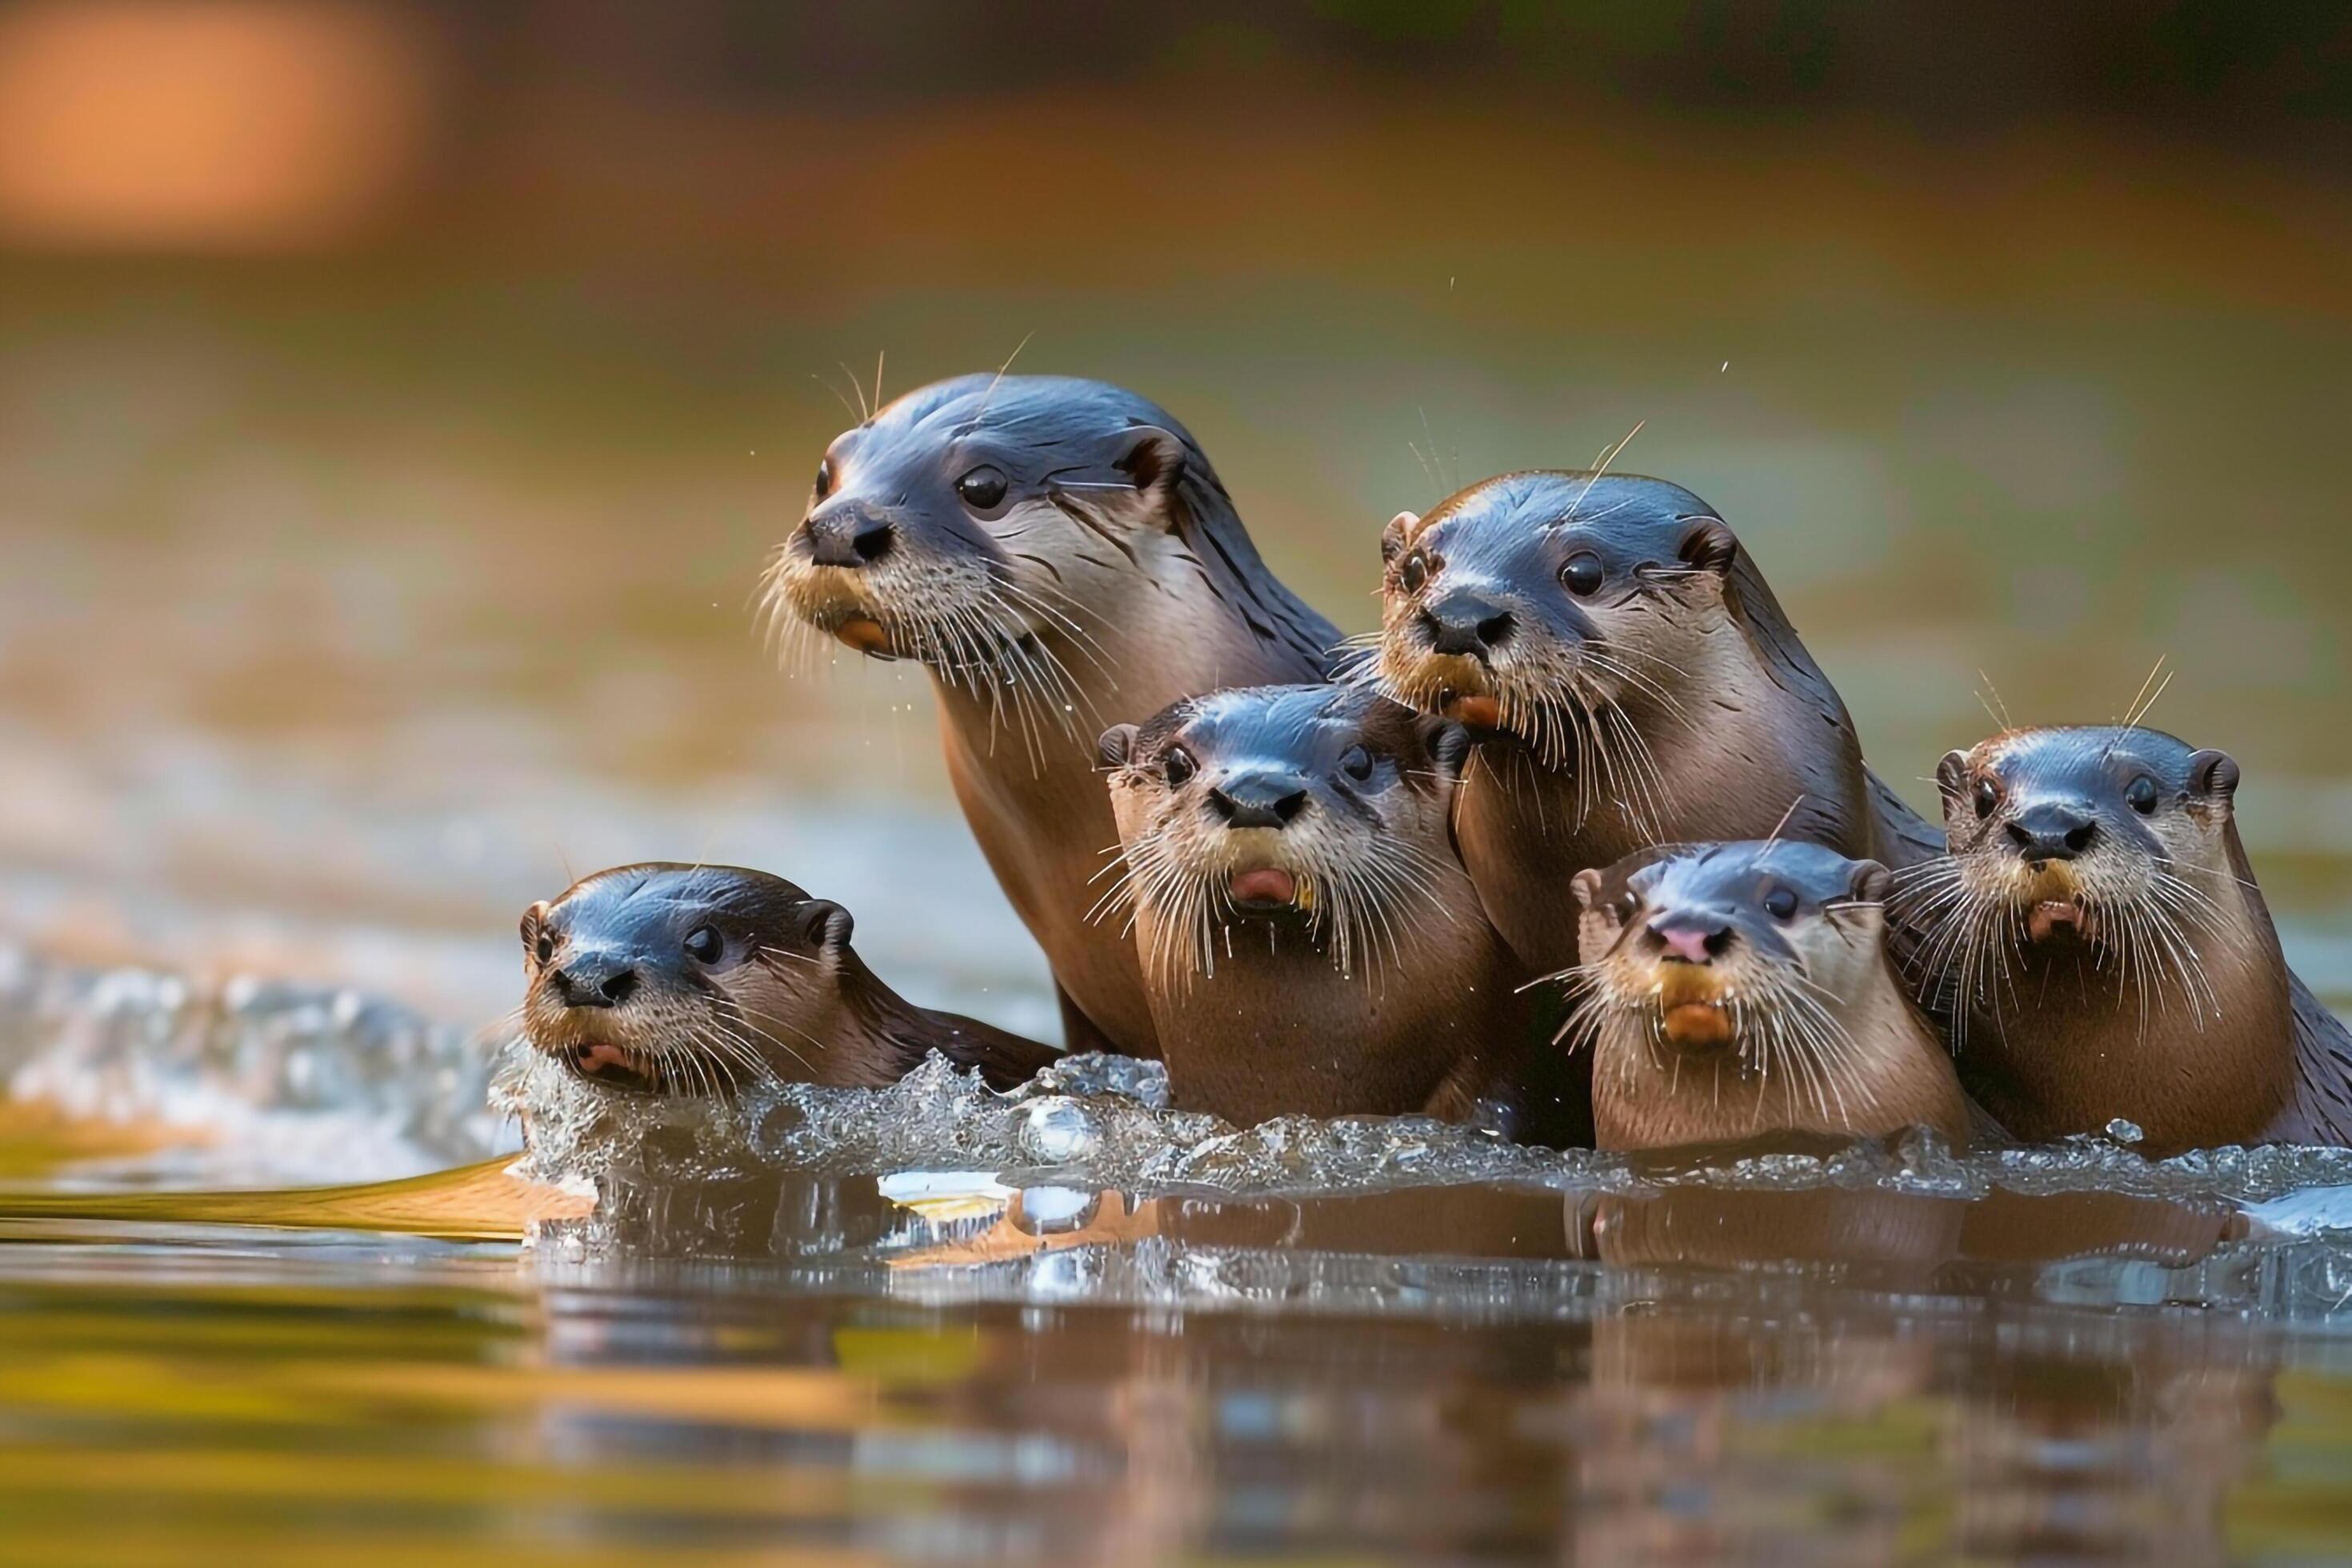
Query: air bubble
[[1057, 1131]]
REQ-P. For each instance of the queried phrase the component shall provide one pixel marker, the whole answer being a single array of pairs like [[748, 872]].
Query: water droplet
[[1057, 1131]]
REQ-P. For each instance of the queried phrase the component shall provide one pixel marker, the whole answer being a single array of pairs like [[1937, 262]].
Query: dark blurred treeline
[[2273, 79]]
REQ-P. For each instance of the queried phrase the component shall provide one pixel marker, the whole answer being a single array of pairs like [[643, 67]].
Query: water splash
[[252, 1082], [1104, 1122]]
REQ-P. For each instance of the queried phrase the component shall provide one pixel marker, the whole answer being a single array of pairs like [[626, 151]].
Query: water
[[933, 1323], [415, 1402]]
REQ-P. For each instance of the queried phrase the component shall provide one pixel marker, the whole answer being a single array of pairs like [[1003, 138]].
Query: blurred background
[[396, 399]]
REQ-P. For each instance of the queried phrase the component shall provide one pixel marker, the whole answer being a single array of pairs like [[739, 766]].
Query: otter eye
[[1781, 904], [1582, 573], [1988, 796], [1357, 764], [703, 945], [1414, 572], [1178, 765], [2140, 794], [983, 488], [824, 478], [544, 947]]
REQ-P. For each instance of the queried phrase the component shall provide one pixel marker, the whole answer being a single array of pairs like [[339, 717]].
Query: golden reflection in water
[[470, 1410], [1680, 1393]]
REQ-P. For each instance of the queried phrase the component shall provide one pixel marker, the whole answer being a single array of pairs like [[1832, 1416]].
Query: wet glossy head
[[1314, 804], [1528, 596], [968, 516], [662, 976]]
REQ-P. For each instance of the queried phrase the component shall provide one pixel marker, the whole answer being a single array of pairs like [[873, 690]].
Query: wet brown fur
[[1263, 1016], [2170, 1006]]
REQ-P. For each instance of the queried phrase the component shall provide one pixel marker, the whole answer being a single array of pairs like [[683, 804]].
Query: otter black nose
[[1462, 622], [1692, 938], [2052, 832], [1259, 800], [848, 536], [594, 983]]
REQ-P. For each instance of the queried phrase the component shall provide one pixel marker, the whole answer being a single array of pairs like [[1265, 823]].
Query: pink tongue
[[604, 1055], [1266, 885]]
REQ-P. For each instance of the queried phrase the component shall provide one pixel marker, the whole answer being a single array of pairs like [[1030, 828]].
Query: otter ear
[[1392, 536], [1952, 776], [826, 925], [1870, 883], [1710, 546], [1116, 745], [1152, 460], [1586, 888], [1449, 747], [2213, 774], [534, 919]]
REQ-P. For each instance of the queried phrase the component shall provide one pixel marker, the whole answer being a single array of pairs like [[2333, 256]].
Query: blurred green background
[[397, 400]]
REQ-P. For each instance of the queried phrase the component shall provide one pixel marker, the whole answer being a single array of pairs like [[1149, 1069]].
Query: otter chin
[[2096, 943], [699, 980], [1481, 713], [1697, 1024], [1264, 889], [1309, 941], [865, 633], [1735, 991], [616, 1065]]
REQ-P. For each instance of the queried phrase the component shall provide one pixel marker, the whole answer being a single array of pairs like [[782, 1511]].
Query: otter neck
[[1648, 1093], [1042, 822], [1278, 1029], [2061, 1045], [866, 1033], [1602, 798], [1749, 769]]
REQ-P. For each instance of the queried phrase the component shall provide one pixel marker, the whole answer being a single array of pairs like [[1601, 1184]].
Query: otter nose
[[1692, 938], [1258, 799], [591, 982], [1463, 622], [847, 536], [2052, 830]]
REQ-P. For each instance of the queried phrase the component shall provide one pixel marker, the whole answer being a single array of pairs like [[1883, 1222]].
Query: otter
[[1631, 680], [1732, 991], [693, 979], [2098, 943], [1309, 941], [1061, 555]]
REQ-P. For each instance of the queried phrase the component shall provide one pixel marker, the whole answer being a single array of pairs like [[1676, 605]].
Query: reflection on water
[[1209, 1396]]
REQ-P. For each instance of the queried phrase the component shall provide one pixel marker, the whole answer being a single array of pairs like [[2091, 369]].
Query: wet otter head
[[1312, 813], [1559, 608], [2108, 848], [1742, 947], [683, 979], [1729, 988], [995, 526]]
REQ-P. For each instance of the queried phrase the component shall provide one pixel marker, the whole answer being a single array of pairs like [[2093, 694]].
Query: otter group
[[1584, 842]]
